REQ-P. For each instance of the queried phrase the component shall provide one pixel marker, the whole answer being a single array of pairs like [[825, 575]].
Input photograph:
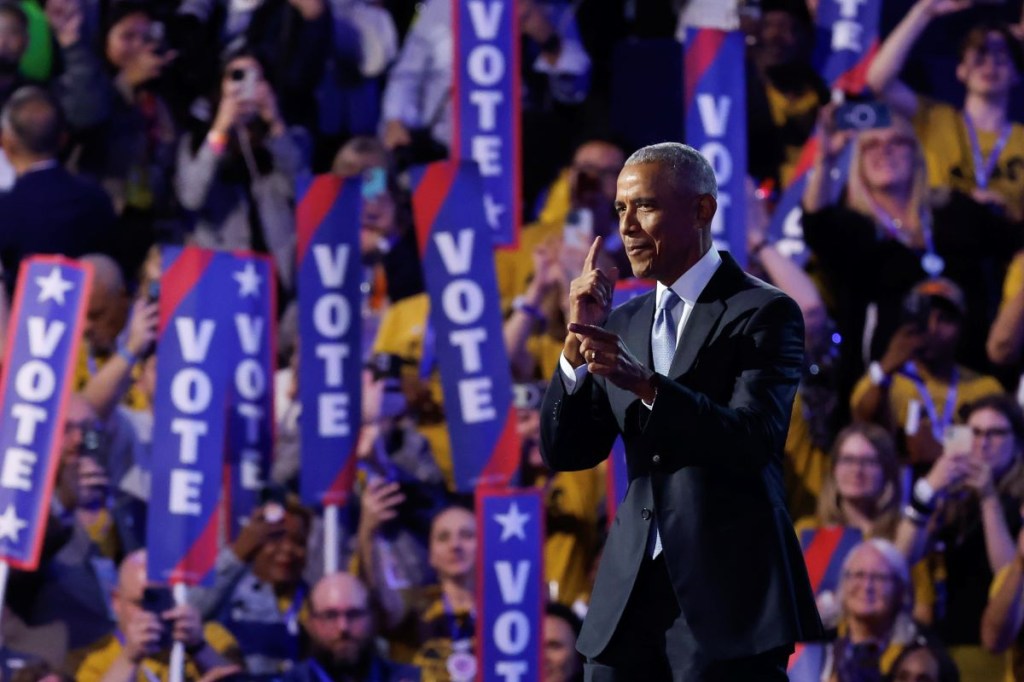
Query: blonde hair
[[859, 195], [829, 510]]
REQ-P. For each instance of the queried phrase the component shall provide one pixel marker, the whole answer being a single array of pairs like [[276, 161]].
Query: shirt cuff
[[572, 377]]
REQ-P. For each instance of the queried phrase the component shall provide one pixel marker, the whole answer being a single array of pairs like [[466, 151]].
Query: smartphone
[[579, 229], [863, 116], [157, 600], [957, 439], [375, 183], [153, 291], [246, 80]]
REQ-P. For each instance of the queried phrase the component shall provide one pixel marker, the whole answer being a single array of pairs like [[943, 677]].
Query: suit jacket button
[[646, 514], [656, 459]]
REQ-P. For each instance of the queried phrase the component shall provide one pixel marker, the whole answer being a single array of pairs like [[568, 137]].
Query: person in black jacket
[[48, 210]]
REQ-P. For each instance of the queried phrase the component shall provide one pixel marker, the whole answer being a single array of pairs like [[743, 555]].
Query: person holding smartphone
[[237, 169], [148, 623]]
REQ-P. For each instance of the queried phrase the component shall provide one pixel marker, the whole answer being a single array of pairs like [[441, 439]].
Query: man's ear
[[707, 205]]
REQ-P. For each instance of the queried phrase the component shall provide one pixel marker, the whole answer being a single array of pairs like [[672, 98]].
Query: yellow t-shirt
[[572, 501], [91, 664], [401, 333], [1014, 280], [87, 366], [950, 160], [805, 466], [902, 390], [786, 110]]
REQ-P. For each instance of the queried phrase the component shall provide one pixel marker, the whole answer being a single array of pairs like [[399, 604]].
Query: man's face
[[105, 319], [941, 335], [340, 623], [987, 69], [13, 41], [659, 224], [79, 419], [595, 168], [561, 661], [282, 558], [779, 38]]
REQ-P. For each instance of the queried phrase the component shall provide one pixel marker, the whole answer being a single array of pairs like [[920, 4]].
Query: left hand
[[186, 625], [606, 355], [266, 101], [979, 478]]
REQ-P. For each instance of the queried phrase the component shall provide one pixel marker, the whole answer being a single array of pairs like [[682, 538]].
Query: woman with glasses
[[885, 231], [875, 624], [967, 512]]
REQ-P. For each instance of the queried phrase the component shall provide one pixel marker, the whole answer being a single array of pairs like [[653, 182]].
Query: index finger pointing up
[[591, 260]]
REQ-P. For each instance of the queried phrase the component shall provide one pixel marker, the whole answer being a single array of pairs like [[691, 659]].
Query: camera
[[245, 79], [863, 116]]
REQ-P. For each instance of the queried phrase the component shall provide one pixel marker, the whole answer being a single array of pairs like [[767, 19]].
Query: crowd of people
[[131, 124]]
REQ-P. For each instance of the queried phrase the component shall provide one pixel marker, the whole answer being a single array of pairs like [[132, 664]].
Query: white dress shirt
[[688, 287]]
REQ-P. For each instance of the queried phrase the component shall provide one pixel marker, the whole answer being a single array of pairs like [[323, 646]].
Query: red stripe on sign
[[504, 460], [313, 207], [430, 195], [798, 651], [340, 490], [855, 80], [818, 554], [179, 280], [201, 556], [700, 55], [806, 158]]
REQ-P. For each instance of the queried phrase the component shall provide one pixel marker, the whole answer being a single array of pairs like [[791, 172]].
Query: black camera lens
[[237, 74]]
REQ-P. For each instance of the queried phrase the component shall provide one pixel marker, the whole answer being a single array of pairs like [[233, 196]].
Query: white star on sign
[[53, 287], [512, 522], [10, 524], [248, 281], [493, 211]]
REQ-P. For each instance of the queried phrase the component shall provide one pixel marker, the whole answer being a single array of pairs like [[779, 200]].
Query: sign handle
[[177, 666], [331, 543]]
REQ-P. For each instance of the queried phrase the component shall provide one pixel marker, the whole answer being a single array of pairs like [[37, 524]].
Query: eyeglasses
[[331, 615], [869, 577], [875, 145], [982, 434], [863, 462]]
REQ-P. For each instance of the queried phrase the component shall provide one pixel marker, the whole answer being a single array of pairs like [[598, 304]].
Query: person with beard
[[341, 628], [976, 150], [784, 92]]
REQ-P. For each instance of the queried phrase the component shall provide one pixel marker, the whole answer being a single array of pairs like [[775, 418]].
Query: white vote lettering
[[17, 469], [333, 355], [485, 18], [475, 400], [512, 584], [469, 342], [463, 301], [487, 153], [250, 381], [28, 416], [486, 65], [252, 415], [333, 415], [848, 8], [332, 315], [191, 390], [250, 333], [35, 381], [487, 102], [331, 263], [42, 337], [511, 632], [457, 257], [714, 113], [511, 671], [190, 431], [251, 470], [194, 345], [186, 488]]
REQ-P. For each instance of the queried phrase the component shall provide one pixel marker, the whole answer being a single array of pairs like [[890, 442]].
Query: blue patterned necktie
[[663, 347], [663, 336]]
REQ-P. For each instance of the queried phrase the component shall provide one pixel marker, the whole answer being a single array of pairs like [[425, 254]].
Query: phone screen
[[957, 439], [374, 183]]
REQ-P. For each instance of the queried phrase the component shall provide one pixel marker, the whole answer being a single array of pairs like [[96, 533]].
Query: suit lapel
[[704, 317], [638, 332]]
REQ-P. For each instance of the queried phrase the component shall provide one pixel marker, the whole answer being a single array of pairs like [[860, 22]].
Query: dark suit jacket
[[706, 461], [52, 211]]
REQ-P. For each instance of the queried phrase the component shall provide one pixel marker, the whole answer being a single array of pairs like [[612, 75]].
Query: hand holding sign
[[590, 300]]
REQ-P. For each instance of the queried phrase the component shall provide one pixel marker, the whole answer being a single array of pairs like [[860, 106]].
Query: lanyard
[[453, 620], [291, 616], [931, 262], [983, 167], [938, 426]]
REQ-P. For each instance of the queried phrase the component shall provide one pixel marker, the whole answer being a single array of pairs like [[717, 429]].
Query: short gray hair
[[687, 166]]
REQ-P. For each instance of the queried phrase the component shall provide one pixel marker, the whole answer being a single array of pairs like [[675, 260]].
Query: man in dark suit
[[48, 210], [702, 577]]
